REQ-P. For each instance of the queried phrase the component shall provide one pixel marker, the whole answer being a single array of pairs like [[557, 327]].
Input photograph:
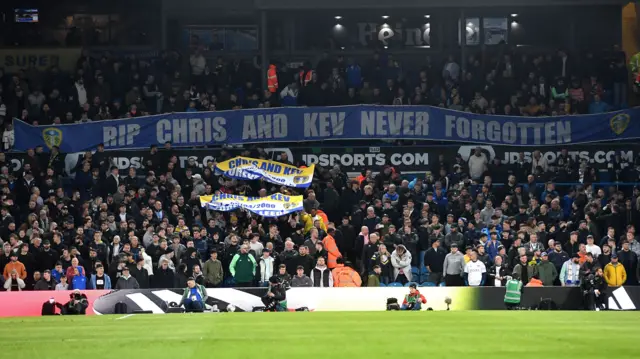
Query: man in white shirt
[[592, 248], [477, 164], [475, 272]]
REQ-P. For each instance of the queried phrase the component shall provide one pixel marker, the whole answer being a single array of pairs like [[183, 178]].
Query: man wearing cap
[[570, 272], [414, 300], [194, 297], [126, 281], [546, 270]]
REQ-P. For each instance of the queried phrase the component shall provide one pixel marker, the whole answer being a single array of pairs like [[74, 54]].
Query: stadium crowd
[[147, 229], [511, 84], [452, 225]]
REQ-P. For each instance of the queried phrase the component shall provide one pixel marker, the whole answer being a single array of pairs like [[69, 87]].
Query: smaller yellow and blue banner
[[246, 168], [274, 205]]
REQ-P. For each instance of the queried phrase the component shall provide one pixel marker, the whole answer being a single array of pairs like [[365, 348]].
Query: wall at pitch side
[[315, 299]]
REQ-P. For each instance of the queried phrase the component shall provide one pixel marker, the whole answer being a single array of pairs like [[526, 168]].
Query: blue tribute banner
[[299, 124]]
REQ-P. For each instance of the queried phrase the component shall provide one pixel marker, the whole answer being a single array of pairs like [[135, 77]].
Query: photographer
[[594, 290], [77, 305], [276, 298]]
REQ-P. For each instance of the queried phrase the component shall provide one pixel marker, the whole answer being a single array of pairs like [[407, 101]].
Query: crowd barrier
[[315, 299]]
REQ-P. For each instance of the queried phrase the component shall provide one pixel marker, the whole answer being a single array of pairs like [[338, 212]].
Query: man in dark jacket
[[276, 298], [141, 274], [163, 277], [434, 260], [126, 281], [305, 260], [46, 282]]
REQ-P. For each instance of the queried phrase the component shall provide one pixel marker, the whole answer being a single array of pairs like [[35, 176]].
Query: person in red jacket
[[414, 300], [272, 79]]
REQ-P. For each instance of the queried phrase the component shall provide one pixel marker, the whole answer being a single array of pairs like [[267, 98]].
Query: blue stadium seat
[[415, 271], [442, 284], [428, 284], [409, 283], [383, 285], [395, 284], [424, 270]]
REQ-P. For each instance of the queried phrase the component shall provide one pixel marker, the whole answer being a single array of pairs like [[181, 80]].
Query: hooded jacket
[[401, 263], [614, 274]]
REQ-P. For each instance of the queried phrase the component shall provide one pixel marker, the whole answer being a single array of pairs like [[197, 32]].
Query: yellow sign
[[246, 168], [13, 60]]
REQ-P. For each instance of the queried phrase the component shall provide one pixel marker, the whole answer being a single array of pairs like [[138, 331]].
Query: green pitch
[[327, 335]]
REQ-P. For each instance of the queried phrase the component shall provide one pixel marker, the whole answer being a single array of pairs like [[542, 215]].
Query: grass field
[[327, 335]]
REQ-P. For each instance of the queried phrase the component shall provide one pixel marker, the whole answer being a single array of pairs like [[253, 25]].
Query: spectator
[[321, 275], [570, 273], [497, 273], [126, 281], [243, 267], [454, 267], [46, 282], [14, 283], [300, 279], [14, 265], [475, 272], [547, 272], [401, 262], [100, 280], [434, 259], [614, 273], [213, 273]]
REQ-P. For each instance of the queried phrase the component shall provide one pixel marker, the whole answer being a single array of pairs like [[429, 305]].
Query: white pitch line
[[125, 316]]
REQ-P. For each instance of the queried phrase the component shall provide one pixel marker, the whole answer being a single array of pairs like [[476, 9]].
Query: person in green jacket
[[374, 278], [243, 267], [212, 270], [547, 271], [513, 292], [194, 297]]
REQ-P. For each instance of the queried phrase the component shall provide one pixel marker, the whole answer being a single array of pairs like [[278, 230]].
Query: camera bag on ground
[[547, 304], [392, 304]]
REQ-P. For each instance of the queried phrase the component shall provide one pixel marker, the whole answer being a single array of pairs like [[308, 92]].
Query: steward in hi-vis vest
[[513, 293]]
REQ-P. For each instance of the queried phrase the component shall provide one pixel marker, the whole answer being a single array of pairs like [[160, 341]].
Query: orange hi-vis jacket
[[333, 252], [345, 277], [305, 78], [272, 79]]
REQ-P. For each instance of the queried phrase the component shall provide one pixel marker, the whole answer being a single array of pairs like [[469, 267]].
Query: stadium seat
[[428, 284], [383, 285], [395, 284], [409, 283], [424, 270], [415, 271], [442, 284]]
